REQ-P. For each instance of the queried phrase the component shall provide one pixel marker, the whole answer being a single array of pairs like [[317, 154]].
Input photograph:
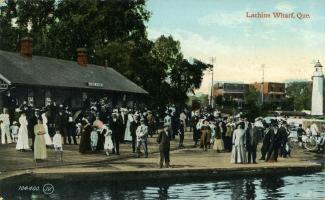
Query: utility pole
[[212, 60], [263, 67]]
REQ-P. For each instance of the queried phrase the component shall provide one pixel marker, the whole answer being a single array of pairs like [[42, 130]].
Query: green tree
[[252, 108], [113, 32], [182, 75], [300, 93], [8, 33]]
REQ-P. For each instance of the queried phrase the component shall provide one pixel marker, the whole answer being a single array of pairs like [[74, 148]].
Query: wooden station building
[[40, 80]]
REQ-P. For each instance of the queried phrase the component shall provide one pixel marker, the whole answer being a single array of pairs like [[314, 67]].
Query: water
[[306, 187]]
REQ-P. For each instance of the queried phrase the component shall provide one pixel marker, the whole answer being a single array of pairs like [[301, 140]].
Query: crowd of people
[[97, 128], [240, 137]]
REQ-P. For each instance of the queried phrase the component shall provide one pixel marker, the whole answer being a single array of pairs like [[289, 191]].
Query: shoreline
[[188, 164], [181, 174]]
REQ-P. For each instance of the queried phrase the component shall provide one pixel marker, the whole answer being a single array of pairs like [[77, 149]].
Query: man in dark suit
[[266, 141], [163, 140], [282, 139], [116, 127], [133, 127], [251, 142], [275, 144], [61, 123], [32, 121], [196, 132]]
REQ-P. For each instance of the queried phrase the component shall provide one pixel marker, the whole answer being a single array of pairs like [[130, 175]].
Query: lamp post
[[212, 59], [263, 66]]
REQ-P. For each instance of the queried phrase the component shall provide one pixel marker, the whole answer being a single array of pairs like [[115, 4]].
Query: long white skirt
[[238, 154], [127, 135], [47, 137], [22, 142], [108, 143]]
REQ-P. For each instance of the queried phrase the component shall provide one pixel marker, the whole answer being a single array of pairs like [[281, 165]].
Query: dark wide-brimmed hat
[[274, 122]]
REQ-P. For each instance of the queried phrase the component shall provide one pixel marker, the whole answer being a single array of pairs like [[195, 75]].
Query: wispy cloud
[[223, 18], [194, 45], [285, 6]]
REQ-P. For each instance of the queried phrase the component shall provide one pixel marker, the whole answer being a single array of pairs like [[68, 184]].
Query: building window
[[84, 96], [47, 98], [30, 97], [272, 88]]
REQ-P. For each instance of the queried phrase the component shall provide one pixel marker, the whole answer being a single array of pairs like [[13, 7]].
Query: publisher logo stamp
[[48, 188]]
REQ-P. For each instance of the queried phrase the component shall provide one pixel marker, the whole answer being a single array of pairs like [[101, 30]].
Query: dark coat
[[164, 141], [84, 146], [282, 136], [133, 127], [267, 140], [32, 121], [61, 123], [251, 138], [117, 128]]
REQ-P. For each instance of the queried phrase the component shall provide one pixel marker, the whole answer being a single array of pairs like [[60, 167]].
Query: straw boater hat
[[115, 111]]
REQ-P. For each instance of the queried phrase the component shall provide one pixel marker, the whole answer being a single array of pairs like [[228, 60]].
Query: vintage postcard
[[162, 99]]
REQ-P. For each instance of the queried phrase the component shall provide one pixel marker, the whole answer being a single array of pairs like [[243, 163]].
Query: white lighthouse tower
[[317, 96]]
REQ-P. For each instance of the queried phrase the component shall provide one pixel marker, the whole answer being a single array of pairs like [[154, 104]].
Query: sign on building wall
[[93, 84], [3, 85]]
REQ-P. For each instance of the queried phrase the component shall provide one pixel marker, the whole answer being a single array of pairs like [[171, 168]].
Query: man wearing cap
[[163, 140], [142, 135]]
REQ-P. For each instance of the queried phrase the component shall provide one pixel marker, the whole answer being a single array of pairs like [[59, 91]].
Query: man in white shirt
[[142, 136], [314, 130], [5, 124], [182, 117]]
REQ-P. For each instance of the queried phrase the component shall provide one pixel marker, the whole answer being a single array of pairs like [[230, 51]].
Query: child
[[57, 143], [14, 131], [93, 139], [78, 130]]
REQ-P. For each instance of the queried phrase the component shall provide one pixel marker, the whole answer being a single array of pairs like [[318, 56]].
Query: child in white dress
[[93, 139], [14, 131], [57, 143]]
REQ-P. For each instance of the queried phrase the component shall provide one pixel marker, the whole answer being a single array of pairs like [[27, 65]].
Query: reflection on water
[[310, 186]]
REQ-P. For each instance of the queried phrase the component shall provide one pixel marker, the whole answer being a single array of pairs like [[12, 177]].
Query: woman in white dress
[[238, 154], [40, 152], [47, 137], [22, 142], [127, 135]]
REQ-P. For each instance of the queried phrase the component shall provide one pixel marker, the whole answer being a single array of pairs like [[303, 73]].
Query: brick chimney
[[26, 47], [82, 56]]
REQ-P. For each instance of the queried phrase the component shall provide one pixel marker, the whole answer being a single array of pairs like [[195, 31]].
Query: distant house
[[272, 92], [38, 80], [230, 91]]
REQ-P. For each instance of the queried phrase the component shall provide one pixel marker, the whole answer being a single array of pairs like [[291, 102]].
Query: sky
[[288, 48]]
